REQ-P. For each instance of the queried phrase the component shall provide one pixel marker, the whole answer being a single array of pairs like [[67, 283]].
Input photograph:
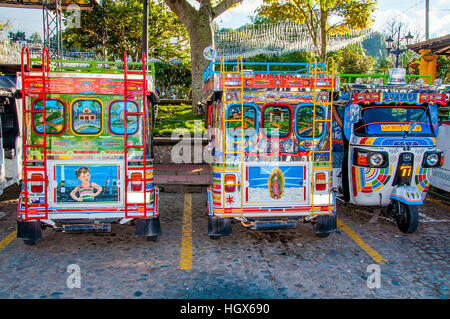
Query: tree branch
[[183, 10], [223, 6]]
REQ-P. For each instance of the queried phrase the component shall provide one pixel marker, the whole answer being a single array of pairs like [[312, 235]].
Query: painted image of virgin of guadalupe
[[276, 184]]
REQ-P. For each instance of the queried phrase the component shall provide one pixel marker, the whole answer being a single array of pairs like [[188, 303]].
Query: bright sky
[[410, 12]]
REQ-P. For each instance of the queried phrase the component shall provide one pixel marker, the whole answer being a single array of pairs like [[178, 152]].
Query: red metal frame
[[45, 69]]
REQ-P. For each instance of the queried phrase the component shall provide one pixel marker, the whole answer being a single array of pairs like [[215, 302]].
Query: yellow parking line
[[5, 242], [438, 203], [186, 240], [366, 247]]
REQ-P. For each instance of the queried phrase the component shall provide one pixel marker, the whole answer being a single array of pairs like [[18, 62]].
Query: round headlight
[[376, 159], [432, 159]]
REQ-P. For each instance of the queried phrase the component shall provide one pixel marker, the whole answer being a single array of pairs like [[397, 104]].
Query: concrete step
[[182, 178]]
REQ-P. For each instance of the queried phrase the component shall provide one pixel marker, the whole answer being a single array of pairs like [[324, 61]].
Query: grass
[[171, 117]]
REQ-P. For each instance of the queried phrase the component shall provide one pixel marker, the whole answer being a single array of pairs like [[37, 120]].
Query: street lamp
[[397, 51]]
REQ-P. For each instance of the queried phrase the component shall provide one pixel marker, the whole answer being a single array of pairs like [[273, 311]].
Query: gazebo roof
[[439, 46]]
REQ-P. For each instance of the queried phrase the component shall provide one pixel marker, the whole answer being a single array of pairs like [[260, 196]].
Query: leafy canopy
[[122, 20]]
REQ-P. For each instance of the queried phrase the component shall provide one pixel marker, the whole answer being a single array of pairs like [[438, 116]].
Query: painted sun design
[[277, 82], [86, 143]]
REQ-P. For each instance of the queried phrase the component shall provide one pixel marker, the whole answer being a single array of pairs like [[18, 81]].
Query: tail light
[[136, 186], [321, 181], [37, 187], [230, 183]]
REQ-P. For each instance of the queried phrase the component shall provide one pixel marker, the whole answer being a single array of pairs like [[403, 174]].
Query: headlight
[[376, 159], [432, 159]]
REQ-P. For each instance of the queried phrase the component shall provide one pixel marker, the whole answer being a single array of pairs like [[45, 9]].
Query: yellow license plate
[[406, 170]]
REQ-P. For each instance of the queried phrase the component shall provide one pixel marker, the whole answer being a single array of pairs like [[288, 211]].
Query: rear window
[[305, 115], [394, 121], [55, 116], [277, 120], [116, 118], [87, 117]]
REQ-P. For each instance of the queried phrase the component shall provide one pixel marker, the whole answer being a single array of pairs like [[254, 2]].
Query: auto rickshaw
[[389, 148], [10, 133], [269, 130], [87, 141]]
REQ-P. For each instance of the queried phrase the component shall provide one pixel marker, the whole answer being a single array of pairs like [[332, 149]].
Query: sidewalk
[[174, 178]]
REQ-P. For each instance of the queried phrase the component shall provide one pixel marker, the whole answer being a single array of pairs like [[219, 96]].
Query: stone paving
[[283, 264]]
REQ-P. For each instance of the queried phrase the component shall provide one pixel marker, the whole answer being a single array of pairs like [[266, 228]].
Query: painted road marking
[[186, 239], [366, 247], [438, 203], [5, 242]]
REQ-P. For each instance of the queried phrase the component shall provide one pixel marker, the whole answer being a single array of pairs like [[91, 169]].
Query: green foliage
[[171, 117], [173, 75], [443, 69], [353, 60], [35, 38], [321, 17], [122, 20], [17, 36], [292, 57]]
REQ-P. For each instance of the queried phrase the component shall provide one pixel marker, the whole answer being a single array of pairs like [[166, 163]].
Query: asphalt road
[[185, 263]]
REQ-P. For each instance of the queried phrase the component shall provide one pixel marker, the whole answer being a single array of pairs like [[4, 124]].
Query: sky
[[410, 12]]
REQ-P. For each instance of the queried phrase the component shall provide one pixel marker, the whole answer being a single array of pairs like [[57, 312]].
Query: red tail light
[[230, 179], [136, 186], [36, 187], [442, 160]]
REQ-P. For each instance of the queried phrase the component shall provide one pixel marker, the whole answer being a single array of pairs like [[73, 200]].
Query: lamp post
[[390, 48]]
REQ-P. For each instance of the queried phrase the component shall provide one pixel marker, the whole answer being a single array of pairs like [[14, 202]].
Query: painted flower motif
[[86, 143], [278, 82]]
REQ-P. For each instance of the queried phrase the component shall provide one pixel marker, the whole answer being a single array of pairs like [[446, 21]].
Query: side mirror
[[355, 113]]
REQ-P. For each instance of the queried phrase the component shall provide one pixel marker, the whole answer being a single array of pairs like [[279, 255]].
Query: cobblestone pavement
[[291, 263]]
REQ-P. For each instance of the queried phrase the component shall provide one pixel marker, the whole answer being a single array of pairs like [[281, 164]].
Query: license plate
[[406, 170]]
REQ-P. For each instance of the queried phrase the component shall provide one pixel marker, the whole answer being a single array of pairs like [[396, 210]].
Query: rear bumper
[[116, 212], [215, 209]]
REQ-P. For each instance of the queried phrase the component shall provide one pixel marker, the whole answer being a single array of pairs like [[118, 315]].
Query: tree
[[17, 36], [5, 25], [353, 60], [321, 17], [122, 20], [199, 25], [35, 38]]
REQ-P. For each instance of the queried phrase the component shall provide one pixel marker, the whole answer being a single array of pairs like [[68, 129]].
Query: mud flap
[[29, 230], [147, 227], [219, 226], [325, 224]]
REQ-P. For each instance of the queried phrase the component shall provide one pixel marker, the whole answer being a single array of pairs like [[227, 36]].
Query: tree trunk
[[200, 36]]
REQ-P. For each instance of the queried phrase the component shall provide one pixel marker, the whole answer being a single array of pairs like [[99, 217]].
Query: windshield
[[394, 121]]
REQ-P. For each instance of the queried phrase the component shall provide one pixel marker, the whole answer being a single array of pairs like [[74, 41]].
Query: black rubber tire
[[408, 218], [152, 238], [214, 237], [323, 235], [29, 242]]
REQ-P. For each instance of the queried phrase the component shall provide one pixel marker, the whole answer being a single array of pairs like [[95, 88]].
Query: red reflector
[[321, 187], [442, 160], [136, 186], [36, 187]]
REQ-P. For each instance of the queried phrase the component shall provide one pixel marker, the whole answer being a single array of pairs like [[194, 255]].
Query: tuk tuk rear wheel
[[29, 242], [407, 218]]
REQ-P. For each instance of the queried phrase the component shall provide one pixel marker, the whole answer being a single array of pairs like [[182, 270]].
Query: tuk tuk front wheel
[[407, 218]]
